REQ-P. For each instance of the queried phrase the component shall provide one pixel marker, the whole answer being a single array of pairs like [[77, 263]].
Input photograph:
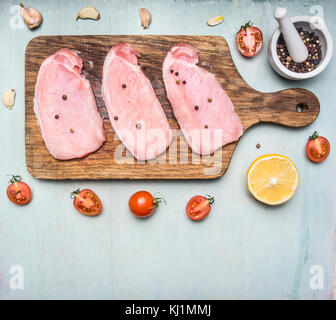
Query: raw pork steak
[[66, 109], [134, 110], [202, 108]]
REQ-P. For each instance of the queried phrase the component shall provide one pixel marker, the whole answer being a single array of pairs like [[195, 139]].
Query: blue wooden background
[[243, 250]]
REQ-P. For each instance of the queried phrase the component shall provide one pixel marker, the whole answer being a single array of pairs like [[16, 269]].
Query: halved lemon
[[272, 179]]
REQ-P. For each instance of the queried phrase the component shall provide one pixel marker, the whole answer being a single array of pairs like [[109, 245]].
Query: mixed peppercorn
[[314, 46]]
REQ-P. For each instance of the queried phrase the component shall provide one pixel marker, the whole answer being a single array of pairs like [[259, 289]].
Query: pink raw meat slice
[[66, 109], [134, 110], [202, 108]]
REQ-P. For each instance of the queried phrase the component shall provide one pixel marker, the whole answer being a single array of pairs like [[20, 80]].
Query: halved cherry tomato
[[249, 40], [317, 148], [18, 192], [142, 204], [199, 207], [86, 202]]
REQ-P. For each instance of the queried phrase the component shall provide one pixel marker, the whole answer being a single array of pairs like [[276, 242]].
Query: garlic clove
[[31, 16], [88, 13], [8, 98], [146, 17], [215, 21]]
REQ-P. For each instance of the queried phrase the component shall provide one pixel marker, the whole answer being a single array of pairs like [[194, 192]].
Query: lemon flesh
[[272, 179]]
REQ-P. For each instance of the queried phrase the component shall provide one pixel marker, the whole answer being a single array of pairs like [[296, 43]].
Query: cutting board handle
[[291, 107]]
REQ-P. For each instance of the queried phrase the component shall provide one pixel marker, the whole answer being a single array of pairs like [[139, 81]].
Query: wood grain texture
[[252, 106]]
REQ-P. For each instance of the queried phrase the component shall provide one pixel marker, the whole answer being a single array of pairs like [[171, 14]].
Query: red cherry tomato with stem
[[86, 202], [317, 148], [199, 207], [18, 192], [249, 40], [142, 203]]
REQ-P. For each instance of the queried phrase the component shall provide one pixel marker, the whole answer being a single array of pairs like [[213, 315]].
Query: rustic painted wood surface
[[252, 106], [243, 250], [335, 280]]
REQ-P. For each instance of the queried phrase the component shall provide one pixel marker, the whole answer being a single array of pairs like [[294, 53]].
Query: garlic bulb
[[31, 16], [146, 17]]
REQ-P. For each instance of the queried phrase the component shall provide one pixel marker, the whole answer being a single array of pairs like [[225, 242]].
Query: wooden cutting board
[[292, 108]]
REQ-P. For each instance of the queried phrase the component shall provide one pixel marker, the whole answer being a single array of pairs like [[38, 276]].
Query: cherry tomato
[[86, 202], [18, 192], [317, 148], [199, 207], [142, 204], [249, 40]]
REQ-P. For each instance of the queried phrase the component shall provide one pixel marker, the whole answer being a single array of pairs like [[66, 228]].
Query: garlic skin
[[146, 17], [8, 98], [88, 13], [31, 17]]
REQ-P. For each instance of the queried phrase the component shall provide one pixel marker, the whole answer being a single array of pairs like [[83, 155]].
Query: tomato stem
[[314, 136], [15, 179], [210, 199], [74, 194], [249, 24], [158, 200]]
